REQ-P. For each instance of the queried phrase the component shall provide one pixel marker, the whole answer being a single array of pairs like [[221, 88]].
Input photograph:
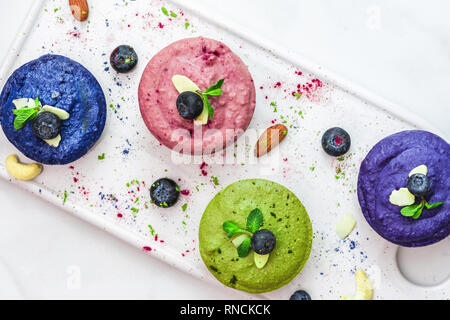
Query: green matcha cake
[[255, 236]]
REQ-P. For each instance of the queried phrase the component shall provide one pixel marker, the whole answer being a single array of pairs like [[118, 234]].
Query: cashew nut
[[364, 289], [22, 171]]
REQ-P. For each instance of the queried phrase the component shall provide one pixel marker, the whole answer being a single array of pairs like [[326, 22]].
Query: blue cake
[[386, 168], [62, 83]]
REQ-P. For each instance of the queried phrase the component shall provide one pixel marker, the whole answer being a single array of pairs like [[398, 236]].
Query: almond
[[80, 9], [270, 139]]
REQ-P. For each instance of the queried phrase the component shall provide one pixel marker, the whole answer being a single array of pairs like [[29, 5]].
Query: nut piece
[[270, 139], [183, 84], [62, 114], [80, 9], [345, 226], [420, 169], [239, 239], [364, 289], [260, 260], [22, 171], [402, 197]]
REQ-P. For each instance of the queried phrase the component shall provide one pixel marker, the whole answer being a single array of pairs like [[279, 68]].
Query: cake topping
[[26, 110], [46, 125], [46, 119], [260, 260], [401, 197], [423, 169], [418, 186], [189, 105], [183, 84], [336, 142], [261, 241], [62, 114]]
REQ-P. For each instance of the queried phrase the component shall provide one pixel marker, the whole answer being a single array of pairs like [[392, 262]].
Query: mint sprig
[[244, 249], [255, 221], [23, 116], [231, 229], [415, 210], [214, 91]]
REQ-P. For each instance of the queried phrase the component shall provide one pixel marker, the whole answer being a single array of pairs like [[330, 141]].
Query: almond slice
[[420, 169], [80, 9], [402, 197], [364, 288], [270, 139]]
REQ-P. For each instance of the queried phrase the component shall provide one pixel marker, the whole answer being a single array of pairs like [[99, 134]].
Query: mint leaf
[[231, 229], [216, 86], [412, 210], [23, 116], [37, 103], [433, 205], [215, 92], [244, 249], [209, 106], [255, 220]]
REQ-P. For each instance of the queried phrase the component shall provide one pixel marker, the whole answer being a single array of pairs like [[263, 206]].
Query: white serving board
[[98, 190]]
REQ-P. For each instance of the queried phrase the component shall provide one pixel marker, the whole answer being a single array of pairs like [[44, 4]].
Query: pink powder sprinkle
[[75, 180], [160, 25], [148, 249], [185, 192], [277, 85], [119, 215]]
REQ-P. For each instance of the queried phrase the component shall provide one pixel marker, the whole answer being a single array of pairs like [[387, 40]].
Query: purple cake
[[386, 168]]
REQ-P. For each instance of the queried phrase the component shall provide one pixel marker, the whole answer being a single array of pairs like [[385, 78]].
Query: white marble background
[[397, 49]]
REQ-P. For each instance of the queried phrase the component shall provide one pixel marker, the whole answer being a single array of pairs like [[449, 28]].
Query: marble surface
[[399, 50]]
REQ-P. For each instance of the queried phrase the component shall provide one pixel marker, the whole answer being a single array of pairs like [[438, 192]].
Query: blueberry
[[300, 295], [46, 125], [336, 142], [263, 242], [123, 59], [419, 185], [189, 105], [164, 193]]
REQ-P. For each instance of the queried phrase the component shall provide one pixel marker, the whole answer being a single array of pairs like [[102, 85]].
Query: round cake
[[204, 61], [387, 168], [62, 83], [283, 214]]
